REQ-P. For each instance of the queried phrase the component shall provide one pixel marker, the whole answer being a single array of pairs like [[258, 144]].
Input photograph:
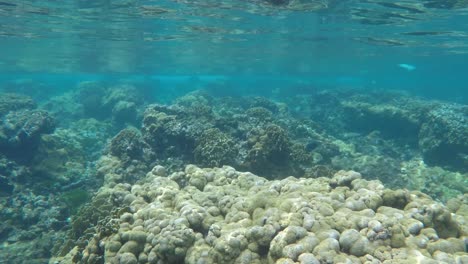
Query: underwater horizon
[[234, 131]]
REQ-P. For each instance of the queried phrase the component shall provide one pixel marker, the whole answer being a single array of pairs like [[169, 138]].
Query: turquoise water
[[333, 43], [106, 107]]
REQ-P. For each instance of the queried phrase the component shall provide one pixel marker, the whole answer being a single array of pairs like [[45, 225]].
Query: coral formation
[[245, 135], [381, 133], [26, 125], [224, 216], [443, 138], [25, 218], [13, 102], [91, 140], [127, 144], [90, 95], [391, 120], [58, 161], [433, 180], [270, 149], [120, 102], [288, 143], [44, 163], [166, 130], [438, 128], [21, 130], [214, 148]]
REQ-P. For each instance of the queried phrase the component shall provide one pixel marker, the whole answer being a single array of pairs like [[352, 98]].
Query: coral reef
[[113, 170], [224, 216], [90, 95], [270, 149], [443, 137], [32, 224], [66, 108], [391, 120], [39, 196], [439, 129], [21, 130], [169, 131], [13, 102], [63, 160], [241, 132], [432, 180], [380, 132], [58, 161], [121, 102], [214, 148], [86, 191], [46, 173], [127, 145], [265, 137]]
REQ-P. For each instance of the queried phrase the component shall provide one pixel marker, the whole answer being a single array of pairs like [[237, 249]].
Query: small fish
[[407, 67]]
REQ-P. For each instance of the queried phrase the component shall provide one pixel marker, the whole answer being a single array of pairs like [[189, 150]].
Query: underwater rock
[[237, 216]]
